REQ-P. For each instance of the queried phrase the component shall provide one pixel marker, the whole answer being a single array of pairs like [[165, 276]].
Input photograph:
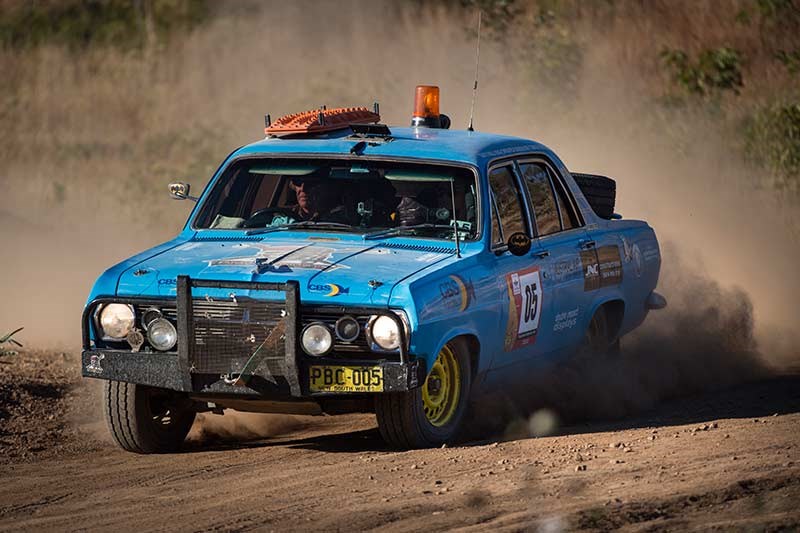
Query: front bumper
[[185, 371], [165, 371]]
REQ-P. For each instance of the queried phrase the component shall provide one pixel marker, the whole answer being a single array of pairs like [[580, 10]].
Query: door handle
[[542, 254], [587, 245]]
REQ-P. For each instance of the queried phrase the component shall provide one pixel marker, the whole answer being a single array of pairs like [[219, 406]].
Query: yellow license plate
[[345, 379]]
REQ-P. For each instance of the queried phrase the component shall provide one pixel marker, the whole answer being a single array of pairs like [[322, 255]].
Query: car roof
[[461, 146]]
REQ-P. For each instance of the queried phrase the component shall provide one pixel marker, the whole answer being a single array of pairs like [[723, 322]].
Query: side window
[[542, 199], [569, 219], [508, 201]]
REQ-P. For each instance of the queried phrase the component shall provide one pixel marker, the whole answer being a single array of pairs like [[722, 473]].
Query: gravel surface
[[727, 460]]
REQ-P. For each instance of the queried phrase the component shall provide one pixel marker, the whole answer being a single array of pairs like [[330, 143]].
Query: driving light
[[385, 332], [347, 328], [149, 315], [316, 339], [161, 334], [116, 320]]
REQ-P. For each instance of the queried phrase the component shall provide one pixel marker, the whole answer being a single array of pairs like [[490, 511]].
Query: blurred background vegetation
[[102, 102], [733, 64]]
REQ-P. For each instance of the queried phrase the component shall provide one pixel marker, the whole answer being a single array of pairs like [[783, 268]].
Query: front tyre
[[429, 415], [146, 419]]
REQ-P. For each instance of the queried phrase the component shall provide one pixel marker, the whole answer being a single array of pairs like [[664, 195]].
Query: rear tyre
[[596, 340], [146, 419], [429, 415]]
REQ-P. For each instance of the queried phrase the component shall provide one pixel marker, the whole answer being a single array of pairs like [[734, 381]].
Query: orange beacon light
[[426, 108]]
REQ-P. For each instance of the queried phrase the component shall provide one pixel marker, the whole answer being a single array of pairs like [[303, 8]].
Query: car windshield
[[367, 197]]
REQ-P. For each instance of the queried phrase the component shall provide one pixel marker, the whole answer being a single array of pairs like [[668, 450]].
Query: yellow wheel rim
[[442, 389]]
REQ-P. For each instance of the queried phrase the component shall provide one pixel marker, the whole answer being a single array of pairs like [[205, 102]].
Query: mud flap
[[655, 301]]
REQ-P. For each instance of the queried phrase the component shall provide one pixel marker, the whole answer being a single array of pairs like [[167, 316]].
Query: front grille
[[228, 333]]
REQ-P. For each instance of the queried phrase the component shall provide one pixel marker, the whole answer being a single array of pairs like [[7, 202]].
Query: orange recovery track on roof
[[332, 119]]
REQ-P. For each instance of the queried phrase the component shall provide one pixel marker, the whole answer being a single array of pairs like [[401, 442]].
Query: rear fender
[[614, 297]]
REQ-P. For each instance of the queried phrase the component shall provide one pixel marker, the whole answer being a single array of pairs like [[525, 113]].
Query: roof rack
[[322, 120]]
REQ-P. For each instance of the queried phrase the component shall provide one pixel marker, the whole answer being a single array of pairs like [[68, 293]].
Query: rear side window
[[508, 202], [542, 198]]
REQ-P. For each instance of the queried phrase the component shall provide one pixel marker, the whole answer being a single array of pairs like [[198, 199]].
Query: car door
[[518, 278], [561, 243]]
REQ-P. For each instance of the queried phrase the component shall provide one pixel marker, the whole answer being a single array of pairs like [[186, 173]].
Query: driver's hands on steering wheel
[[280, 220], [262, 218]]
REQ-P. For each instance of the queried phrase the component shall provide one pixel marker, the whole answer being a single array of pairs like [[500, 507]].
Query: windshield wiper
[[388, 232], [302, 224]]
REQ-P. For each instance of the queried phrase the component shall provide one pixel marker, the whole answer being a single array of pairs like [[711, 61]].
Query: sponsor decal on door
[[601, 267], [524, 308]]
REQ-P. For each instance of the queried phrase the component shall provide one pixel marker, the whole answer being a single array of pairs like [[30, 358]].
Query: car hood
[[329, 271]]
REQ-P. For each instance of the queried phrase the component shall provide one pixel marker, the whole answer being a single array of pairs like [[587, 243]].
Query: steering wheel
[[262, 218]]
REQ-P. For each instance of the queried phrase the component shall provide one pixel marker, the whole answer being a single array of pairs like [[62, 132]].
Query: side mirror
[[519, 243], [180, 191]]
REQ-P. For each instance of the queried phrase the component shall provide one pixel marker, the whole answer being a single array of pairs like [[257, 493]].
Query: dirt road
[[726, 460]]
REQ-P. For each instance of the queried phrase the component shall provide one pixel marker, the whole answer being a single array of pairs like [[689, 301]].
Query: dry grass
[[88, 139]]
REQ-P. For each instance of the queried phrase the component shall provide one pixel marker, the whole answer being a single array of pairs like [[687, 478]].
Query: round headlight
[[347, 328], [161, 334], [316, 339], [385, 333], [117, 320]]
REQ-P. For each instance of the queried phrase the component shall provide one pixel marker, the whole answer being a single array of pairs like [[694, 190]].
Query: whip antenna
[[477, 64]]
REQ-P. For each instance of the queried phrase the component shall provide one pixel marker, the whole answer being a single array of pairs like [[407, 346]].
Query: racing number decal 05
[[524, 308]]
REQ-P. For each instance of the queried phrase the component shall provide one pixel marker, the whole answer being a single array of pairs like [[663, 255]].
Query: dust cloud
[[703, 341], [733, 248], [238, 426]]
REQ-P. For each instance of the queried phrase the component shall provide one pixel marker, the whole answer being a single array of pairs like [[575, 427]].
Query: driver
[[314, 195]]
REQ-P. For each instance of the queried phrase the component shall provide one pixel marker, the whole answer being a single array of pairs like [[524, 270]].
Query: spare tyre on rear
[[600, 192]]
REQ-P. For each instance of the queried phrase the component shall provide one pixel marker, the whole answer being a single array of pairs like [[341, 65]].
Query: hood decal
[[326, 271], [281, 259]]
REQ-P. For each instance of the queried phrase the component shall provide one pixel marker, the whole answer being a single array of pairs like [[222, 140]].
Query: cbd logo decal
[[455, 286], [330, 289]]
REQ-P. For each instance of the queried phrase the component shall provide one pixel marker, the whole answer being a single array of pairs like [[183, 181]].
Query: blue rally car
[[342, 266]]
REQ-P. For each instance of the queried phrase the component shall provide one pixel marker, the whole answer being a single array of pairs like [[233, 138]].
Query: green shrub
[[498, 15], [772, 140], [776, 9], [8, 339], [78, 23], [790, 60], [714, 71]]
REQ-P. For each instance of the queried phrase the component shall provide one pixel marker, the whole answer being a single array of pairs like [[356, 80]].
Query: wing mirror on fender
[[180, 191], [519, 243]]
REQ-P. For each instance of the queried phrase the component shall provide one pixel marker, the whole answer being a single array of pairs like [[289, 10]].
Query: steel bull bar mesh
[[238, 340]]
